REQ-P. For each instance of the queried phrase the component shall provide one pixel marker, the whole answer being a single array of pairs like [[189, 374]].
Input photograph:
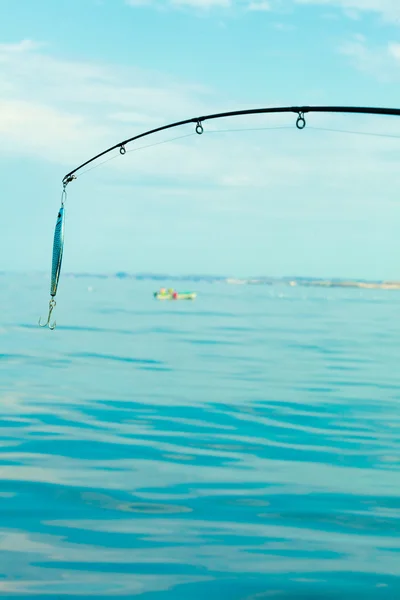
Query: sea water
[[242, 446]]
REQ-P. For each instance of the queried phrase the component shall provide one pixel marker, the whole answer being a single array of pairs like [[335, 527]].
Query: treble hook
[[52, 304]]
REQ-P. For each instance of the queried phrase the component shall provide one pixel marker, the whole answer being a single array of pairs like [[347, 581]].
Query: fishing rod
[[300, 124], [301, 111]]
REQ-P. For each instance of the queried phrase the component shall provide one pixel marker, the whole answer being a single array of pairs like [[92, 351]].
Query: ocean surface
[[244, 446]]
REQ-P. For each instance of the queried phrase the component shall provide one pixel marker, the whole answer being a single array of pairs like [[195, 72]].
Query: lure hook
[[52, 326]]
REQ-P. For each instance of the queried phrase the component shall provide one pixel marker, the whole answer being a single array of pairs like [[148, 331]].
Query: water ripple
[[245, 446]]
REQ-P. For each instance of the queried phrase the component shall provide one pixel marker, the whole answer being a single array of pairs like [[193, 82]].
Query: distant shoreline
[[290, 281], [163, 280]]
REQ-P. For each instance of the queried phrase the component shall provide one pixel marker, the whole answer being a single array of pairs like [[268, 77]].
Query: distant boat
[[170, 294]]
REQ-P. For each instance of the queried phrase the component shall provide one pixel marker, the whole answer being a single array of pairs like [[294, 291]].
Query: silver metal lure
[[58, 247]]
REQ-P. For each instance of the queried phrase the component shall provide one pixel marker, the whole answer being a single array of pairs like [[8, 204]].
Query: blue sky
[[79, 76]]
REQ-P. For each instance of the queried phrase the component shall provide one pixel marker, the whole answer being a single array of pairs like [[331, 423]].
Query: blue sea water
[[244, 446]]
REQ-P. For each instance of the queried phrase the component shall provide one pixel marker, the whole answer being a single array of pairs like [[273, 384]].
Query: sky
[[78, 76]]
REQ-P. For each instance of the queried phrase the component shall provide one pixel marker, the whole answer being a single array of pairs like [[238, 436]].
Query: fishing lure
[[58, 247]]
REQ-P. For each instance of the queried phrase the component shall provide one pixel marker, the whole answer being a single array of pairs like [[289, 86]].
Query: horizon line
[[225, 278]]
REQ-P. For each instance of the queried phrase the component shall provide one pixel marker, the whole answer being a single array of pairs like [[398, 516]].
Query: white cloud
[[59, 109], [203, 4], [22, 46], [381, 61], [132, 117], [388, 9], [138, 2], [195, 4], [394, 50], [284, 26], [259, 5], [66, 112]]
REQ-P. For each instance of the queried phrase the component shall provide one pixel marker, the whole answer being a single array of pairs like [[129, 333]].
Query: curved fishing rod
[[58, 243], [300, 124]]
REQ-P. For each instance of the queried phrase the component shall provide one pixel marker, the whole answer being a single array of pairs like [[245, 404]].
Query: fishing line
[[244, 129], [249, 129], [346, 131], [179, 137], [98, 165], [367, 133]]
